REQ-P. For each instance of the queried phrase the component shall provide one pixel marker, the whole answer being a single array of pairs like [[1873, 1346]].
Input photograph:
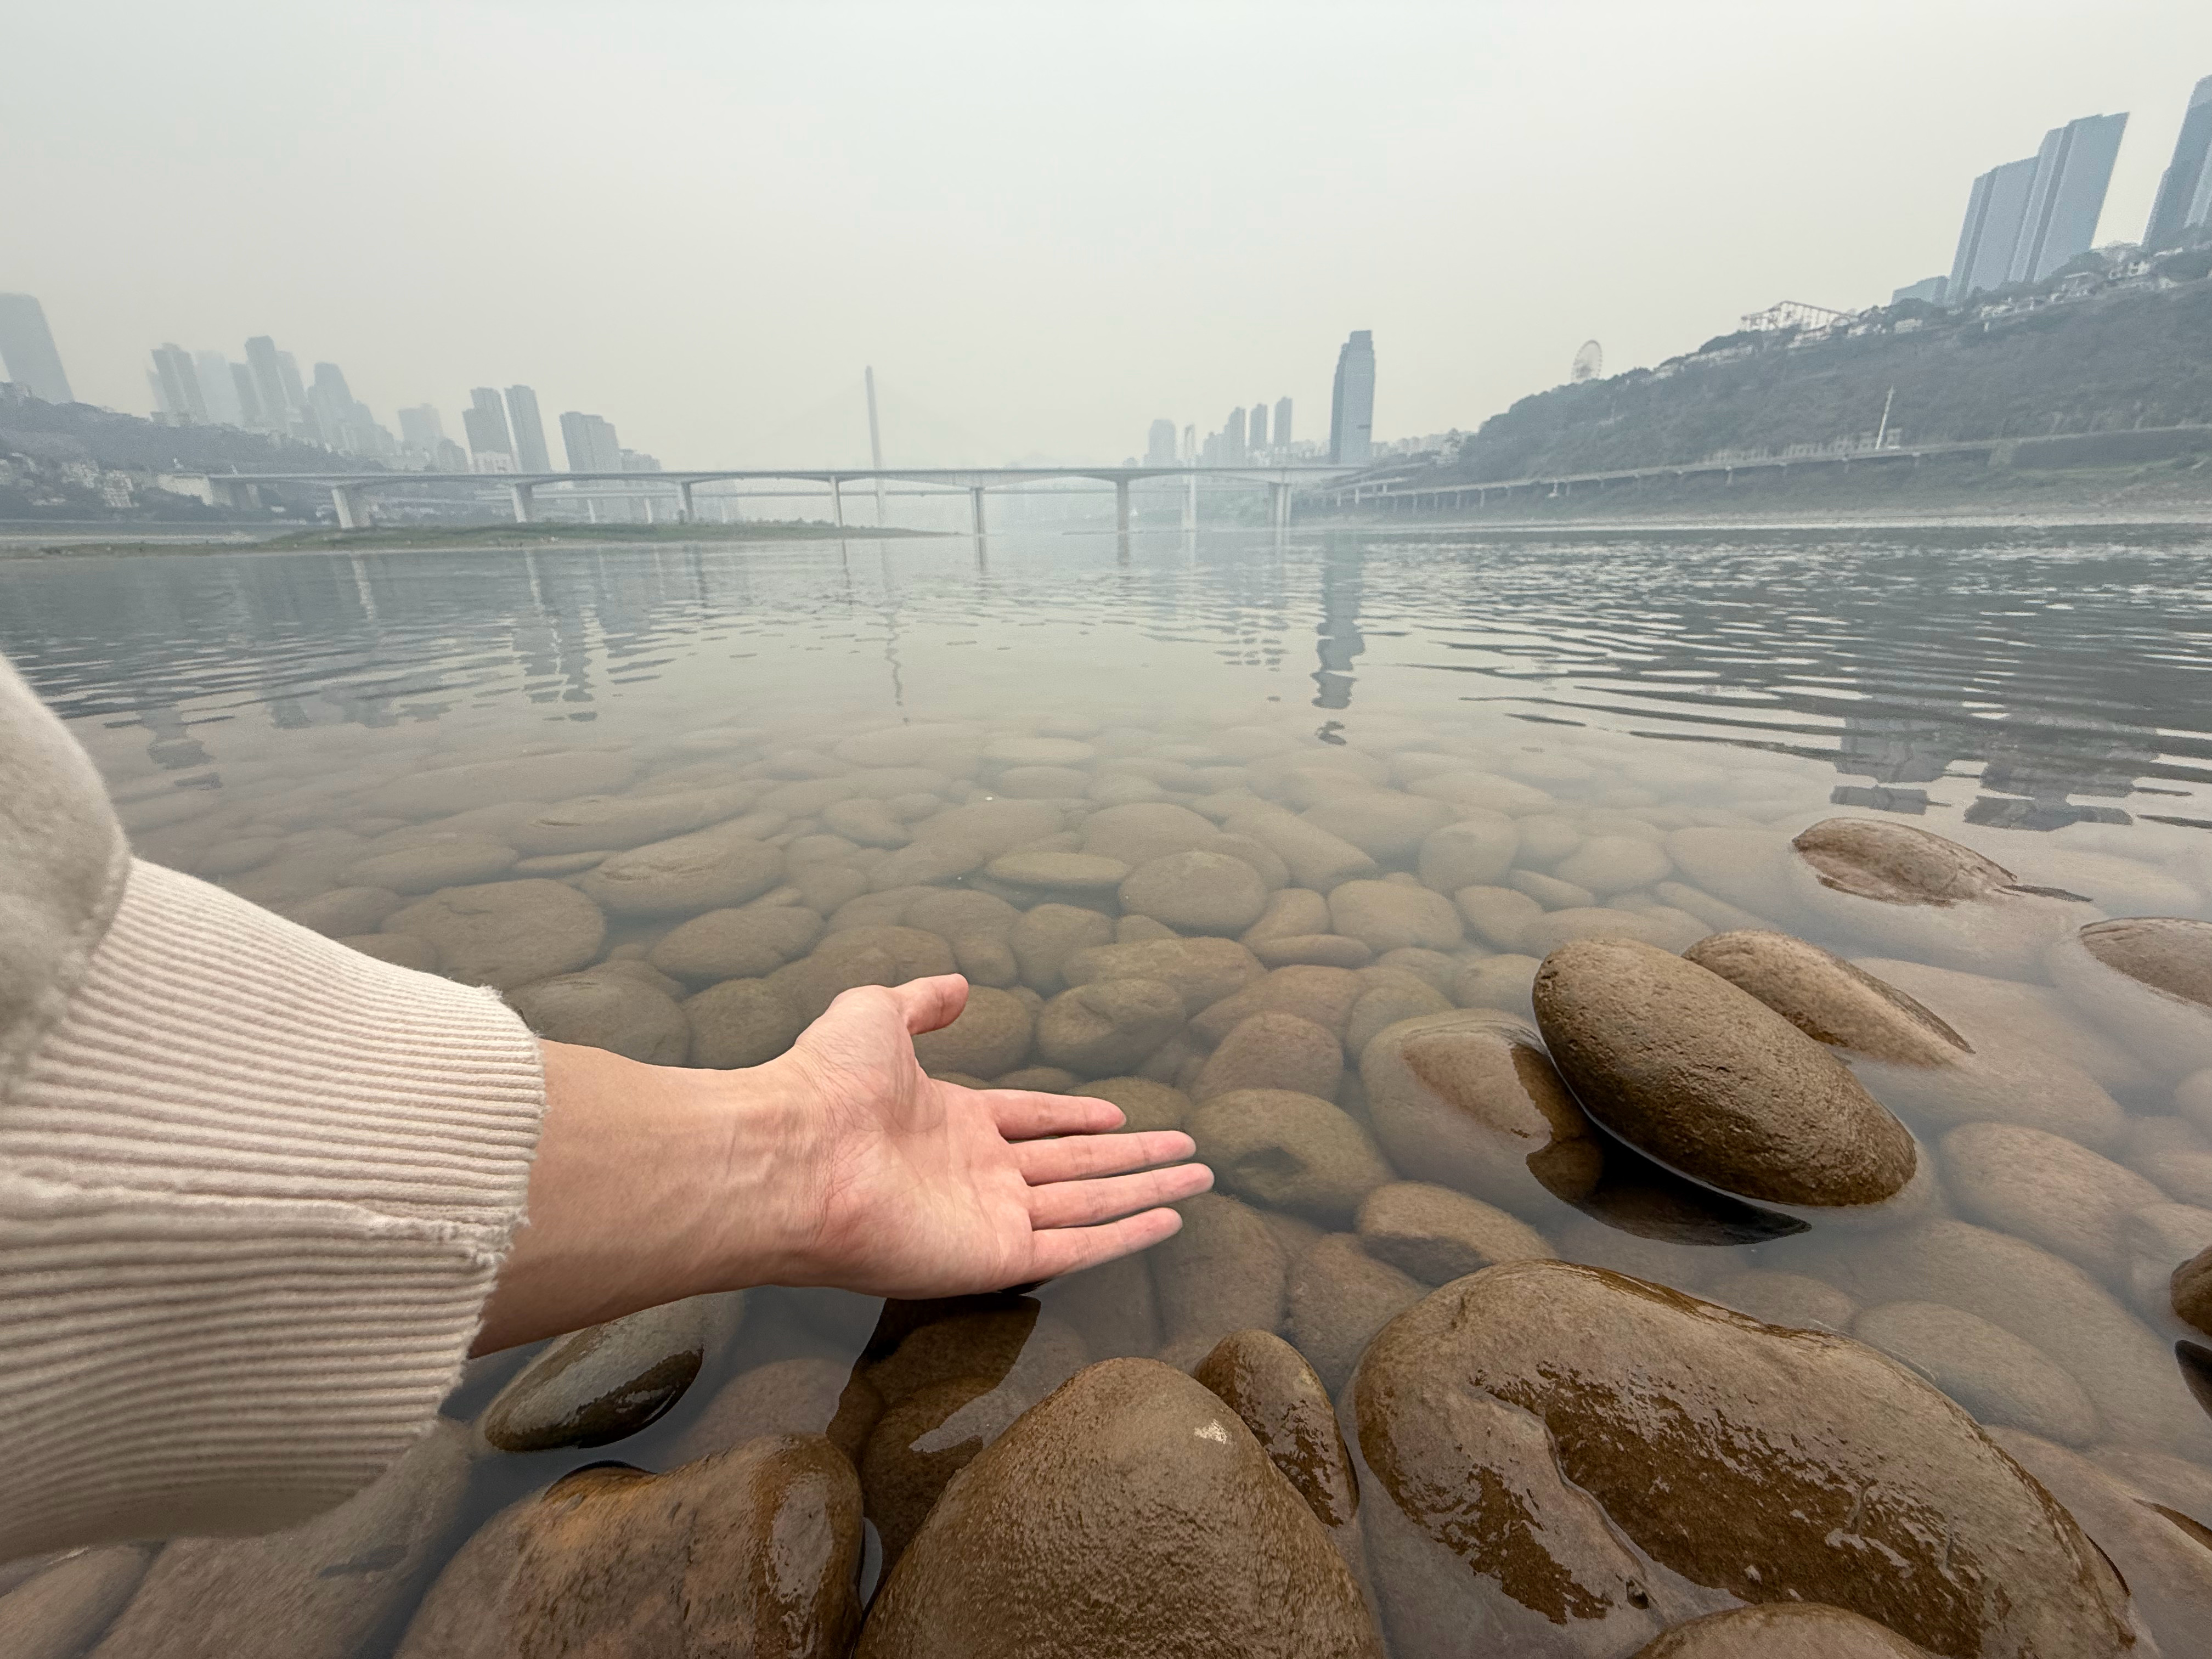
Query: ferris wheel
[[1589, 363]]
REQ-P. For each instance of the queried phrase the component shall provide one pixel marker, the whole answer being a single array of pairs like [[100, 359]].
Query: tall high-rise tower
[[278, 407], [485, 421], [1351, 402], [1282, 423], [590, 443], [1255, 430], [2072, 170], [1233, 451], [530, 455], [1995, 208], [2185, 193], [180, 383], [1160, 444], [27, 347]]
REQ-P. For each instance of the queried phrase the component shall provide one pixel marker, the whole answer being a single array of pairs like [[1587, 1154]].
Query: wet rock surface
[[1268, 1384], [1828, 998], [1642, 1458], [1782, 1630], [753, 1552], [1131, 1512], [1712, 1082], [605, 1383], [1288, 1151], [60, 1610], [506, 933]]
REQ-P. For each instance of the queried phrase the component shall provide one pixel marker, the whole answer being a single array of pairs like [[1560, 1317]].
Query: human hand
[[911, 1187], [839, 1164]]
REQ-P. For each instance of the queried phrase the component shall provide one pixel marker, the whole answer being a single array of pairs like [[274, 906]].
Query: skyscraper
[[590, 443], [530, 454], [244, 388], [484, 420], [1282, 423], [26, 347], [2072, 170], [180, 383], [1233, 453], [1995, 208], [1351, 402], [2185, 193], [217, 390], [420, 428], [277, 407], [1255, 431], [1160, 444]]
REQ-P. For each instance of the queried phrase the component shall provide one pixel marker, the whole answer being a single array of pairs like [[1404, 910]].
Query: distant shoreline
[[32, 542]]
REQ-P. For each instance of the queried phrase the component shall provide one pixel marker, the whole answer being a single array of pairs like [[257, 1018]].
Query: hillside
[[2132, 356]]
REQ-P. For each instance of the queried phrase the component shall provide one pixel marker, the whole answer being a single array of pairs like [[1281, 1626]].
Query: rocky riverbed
[[1655, 1214]]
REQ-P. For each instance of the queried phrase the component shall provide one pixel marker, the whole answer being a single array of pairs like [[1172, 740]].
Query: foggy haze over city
[[1046, 228]]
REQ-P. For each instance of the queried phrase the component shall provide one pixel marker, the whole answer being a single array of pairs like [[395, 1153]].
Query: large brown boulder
[[1569, 1460], [2147, 979], [1131, 1514], [753, 1554], [1712, 1082], [1784, 1630]]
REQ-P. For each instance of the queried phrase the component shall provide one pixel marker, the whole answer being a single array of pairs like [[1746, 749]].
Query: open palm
[[923, 1188]]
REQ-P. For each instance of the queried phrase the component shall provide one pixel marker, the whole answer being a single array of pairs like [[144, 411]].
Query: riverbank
[[29, 543]]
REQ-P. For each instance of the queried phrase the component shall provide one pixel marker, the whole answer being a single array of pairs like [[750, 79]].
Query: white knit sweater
[[254, 1186]]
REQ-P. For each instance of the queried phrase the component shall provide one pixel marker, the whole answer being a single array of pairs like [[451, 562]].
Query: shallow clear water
[[2040, 699]]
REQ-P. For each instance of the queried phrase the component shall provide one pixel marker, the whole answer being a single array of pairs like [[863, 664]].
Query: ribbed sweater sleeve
[[254, 1187]]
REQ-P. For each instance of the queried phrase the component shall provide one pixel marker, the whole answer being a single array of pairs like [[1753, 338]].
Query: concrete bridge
[[349, 491]]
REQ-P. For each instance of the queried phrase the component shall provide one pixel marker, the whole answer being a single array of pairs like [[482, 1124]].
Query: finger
[[1023, 1115], [931, 1003], [1076, 1157], [1069, 1249], [1079, 1203]]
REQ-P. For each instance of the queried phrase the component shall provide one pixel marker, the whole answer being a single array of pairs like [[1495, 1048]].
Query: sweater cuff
[[254, 1189]]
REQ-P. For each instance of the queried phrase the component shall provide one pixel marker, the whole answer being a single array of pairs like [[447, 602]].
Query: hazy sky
[[1044, 223]]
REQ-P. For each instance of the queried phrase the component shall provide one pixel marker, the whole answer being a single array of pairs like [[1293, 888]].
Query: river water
[[266, 721]]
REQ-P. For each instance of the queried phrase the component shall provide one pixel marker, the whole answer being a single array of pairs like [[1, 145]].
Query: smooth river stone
[[991, 1037], [1201, 970], [1550, 891], [741, 1022], [736, 944], [331, 1588], [1274, 1050], [1059, 873], [1196, 892], [799, 1396], [2167, 1561], [1487, 790], [432, 864], [1475, 851], [1402, 996], [1781, 1298], [2190, 1291], [1386, 916], [2048, 1190], [1109, 1027], [589, 822], [604, 1383], [506, 933], [870, 822], [1985, 1368], [1223, 1272], [1659, 927], [686, 873], [1132, 1512], [344, 911], [1336, 1297], [1913, 893], [755, 1552], [1047, 936], [1567, 1461], [1288, 1151], [858, 957], [449, 789], [2050, 1304], [1314, 951], [1607, 864], [1315, 858], [1436, 1235], [61, 1610], [1388, 827], [601, 1008], [1291, 913], [2147, 979], [1782, 1629], [1146, 1104], [1713, 1083], [1500, 916], [1323, 996], [1502, 983], [1470, 1099], [1268, 1383], [1828, 998]]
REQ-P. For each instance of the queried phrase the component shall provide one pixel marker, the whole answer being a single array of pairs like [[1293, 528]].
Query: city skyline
[[1039, 296]]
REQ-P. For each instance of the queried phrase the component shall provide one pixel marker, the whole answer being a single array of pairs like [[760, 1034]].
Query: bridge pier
[[526, 510], [351, 501], [975, 503], [1121, 506], [689, 510], [838, 500], [1279, 507]]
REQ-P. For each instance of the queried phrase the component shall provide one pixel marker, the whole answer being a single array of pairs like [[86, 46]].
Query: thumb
[[931, 1005]]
